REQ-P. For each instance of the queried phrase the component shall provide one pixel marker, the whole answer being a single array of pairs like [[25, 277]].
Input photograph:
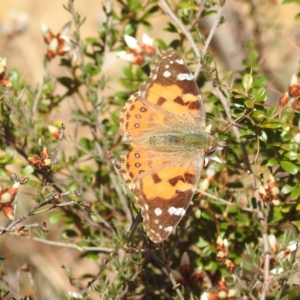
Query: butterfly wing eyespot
[[164, 166]]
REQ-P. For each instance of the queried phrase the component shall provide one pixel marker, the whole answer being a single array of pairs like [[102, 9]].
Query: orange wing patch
[[138, 119], [179, 104]]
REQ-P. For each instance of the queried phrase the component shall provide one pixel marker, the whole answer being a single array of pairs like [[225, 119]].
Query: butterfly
[[165, 124]]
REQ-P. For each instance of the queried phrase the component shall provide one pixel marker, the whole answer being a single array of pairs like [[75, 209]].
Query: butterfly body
[[165, 124], [180, 142]]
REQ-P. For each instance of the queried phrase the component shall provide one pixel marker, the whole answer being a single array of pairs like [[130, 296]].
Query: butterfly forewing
[[172, 87]]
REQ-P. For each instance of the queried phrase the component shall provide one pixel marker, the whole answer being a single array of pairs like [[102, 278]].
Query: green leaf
[[69, 233], [128, 72], [247, 82], [206, 13], [14, 78], [171, 28], [188, 6], [249, 104], [290, 1], [161, 44], [259, 81], [227, 75], [258, 114], [91, 255], [2, 173], [66, 81], [291, 155], [272, 125], [202, 243], [55, 217], [134, 4], [263, 136], [27, 170], [260, 95], [92, 69], [270, 112], [153, 9], [289, 167], [119, 96], [130, 28], [139, 74], [292, 146], [8, 157], [287, 188], [295, 194], [92, 41], [85, 144], [73, 186], [235, 185], [272, 162], [252, 58]]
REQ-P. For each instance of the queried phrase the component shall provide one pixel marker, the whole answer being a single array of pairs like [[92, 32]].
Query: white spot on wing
[[146, 207], [185, 76], [169, 228], [180, 61], [176, 211], [158, 211], [167, 74], [160, 227], [167, 66], [156, 221]]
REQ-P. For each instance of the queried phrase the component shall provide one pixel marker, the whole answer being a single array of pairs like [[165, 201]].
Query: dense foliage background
[[68, 225]]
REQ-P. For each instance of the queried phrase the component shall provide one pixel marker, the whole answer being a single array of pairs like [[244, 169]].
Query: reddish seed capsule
[[34, 161], [283, 100], [45, 153], [294, 90], [296, 104]]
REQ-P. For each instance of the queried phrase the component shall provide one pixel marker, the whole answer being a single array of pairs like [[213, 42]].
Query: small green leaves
[[289, 167], [272, 162], [287, 188], [247, 82], [293, 190], [55, 218], [259, 94], [295, 194], [7, 158], [291, 155]]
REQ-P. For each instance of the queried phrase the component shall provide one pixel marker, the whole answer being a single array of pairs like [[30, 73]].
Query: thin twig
[[80, 45], [168, 270], [40, 89], [54, 196], [177, 22], [54, 156], [188, 35], [197, 16], [70, 245], [61, 134], [209, 38], [223, 201], [121, 257]]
